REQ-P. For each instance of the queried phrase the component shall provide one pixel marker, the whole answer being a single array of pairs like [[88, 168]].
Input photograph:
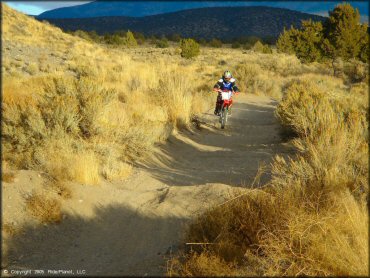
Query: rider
[[227, 82]]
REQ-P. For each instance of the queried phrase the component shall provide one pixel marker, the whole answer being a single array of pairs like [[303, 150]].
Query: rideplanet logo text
[[41, 272]]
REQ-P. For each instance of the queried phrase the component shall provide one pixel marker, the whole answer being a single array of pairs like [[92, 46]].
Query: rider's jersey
[[223, 85]]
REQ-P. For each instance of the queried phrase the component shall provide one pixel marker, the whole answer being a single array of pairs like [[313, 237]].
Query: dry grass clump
[[32, 69], [312, 218], [174, 92], [255, 80], [296, 109], [202, 265], [356, 71], [44, 208], [333, 135], [281, 64], [114, 168], [14, 91], [117, 171], [9, 229], [65, 110], [62, 189], [85, 168], [316, 237], [7, 177], [6, 174], [47, 134], [68, 159], [266, 74]]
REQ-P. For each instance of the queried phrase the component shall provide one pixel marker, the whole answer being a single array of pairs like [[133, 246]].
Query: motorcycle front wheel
[[223, 117]]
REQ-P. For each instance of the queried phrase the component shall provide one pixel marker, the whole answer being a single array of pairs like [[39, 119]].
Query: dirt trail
[[129, 228]]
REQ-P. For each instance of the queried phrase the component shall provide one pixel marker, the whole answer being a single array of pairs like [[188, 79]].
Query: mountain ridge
[[205, 23], [140, 8]]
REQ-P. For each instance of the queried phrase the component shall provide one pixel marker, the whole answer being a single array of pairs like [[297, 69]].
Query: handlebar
[[220, 91]]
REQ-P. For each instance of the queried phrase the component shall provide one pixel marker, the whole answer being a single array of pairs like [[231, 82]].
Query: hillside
[[199, 23], [30, 47]]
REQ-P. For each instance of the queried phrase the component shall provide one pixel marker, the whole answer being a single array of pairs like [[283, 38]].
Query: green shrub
[[94, 36], [247, 46], [215, 43], [139, 37], [189, 48], [260, 47], [114, 39], [364, 52], [202, 41], [267, 49], [82, 34], [235, 45], [130, 40], [308, 43], [356, 71], [121, 38], [162, 43], [174, 37], [153, 39]]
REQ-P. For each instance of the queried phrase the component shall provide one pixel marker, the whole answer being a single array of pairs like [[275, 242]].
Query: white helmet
[[227, 75]]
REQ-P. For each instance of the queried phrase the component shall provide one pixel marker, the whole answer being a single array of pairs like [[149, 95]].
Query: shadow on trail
[[117, 241], [211, 155]]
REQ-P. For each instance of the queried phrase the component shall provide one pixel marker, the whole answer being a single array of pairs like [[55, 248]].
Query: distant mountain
[[197, 23], [139, 8], [136, 8]]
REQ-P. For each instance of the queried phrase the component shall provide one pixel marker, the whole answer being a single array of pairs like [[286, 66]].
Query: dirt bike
[[226, 97]]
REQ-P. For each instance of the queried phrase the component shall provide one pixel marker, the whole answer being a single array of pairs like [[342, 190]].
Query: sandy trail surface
[[130, 228]]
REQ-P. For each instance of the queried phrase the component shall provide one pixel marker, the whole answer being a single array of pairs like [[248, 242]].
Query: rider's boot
[[217, 110], [229, 111]]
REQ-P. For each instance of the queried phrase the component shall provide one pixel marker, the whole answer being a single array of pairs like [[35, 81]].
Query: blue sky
[[37, 7], [315, 7]]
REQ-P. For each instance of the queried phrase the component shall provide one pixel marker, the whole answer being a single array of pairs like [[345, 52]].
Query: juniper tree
[[130, 40], [345, 32], [285, 43], [341, 36], [189, 48], [309, 40]]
